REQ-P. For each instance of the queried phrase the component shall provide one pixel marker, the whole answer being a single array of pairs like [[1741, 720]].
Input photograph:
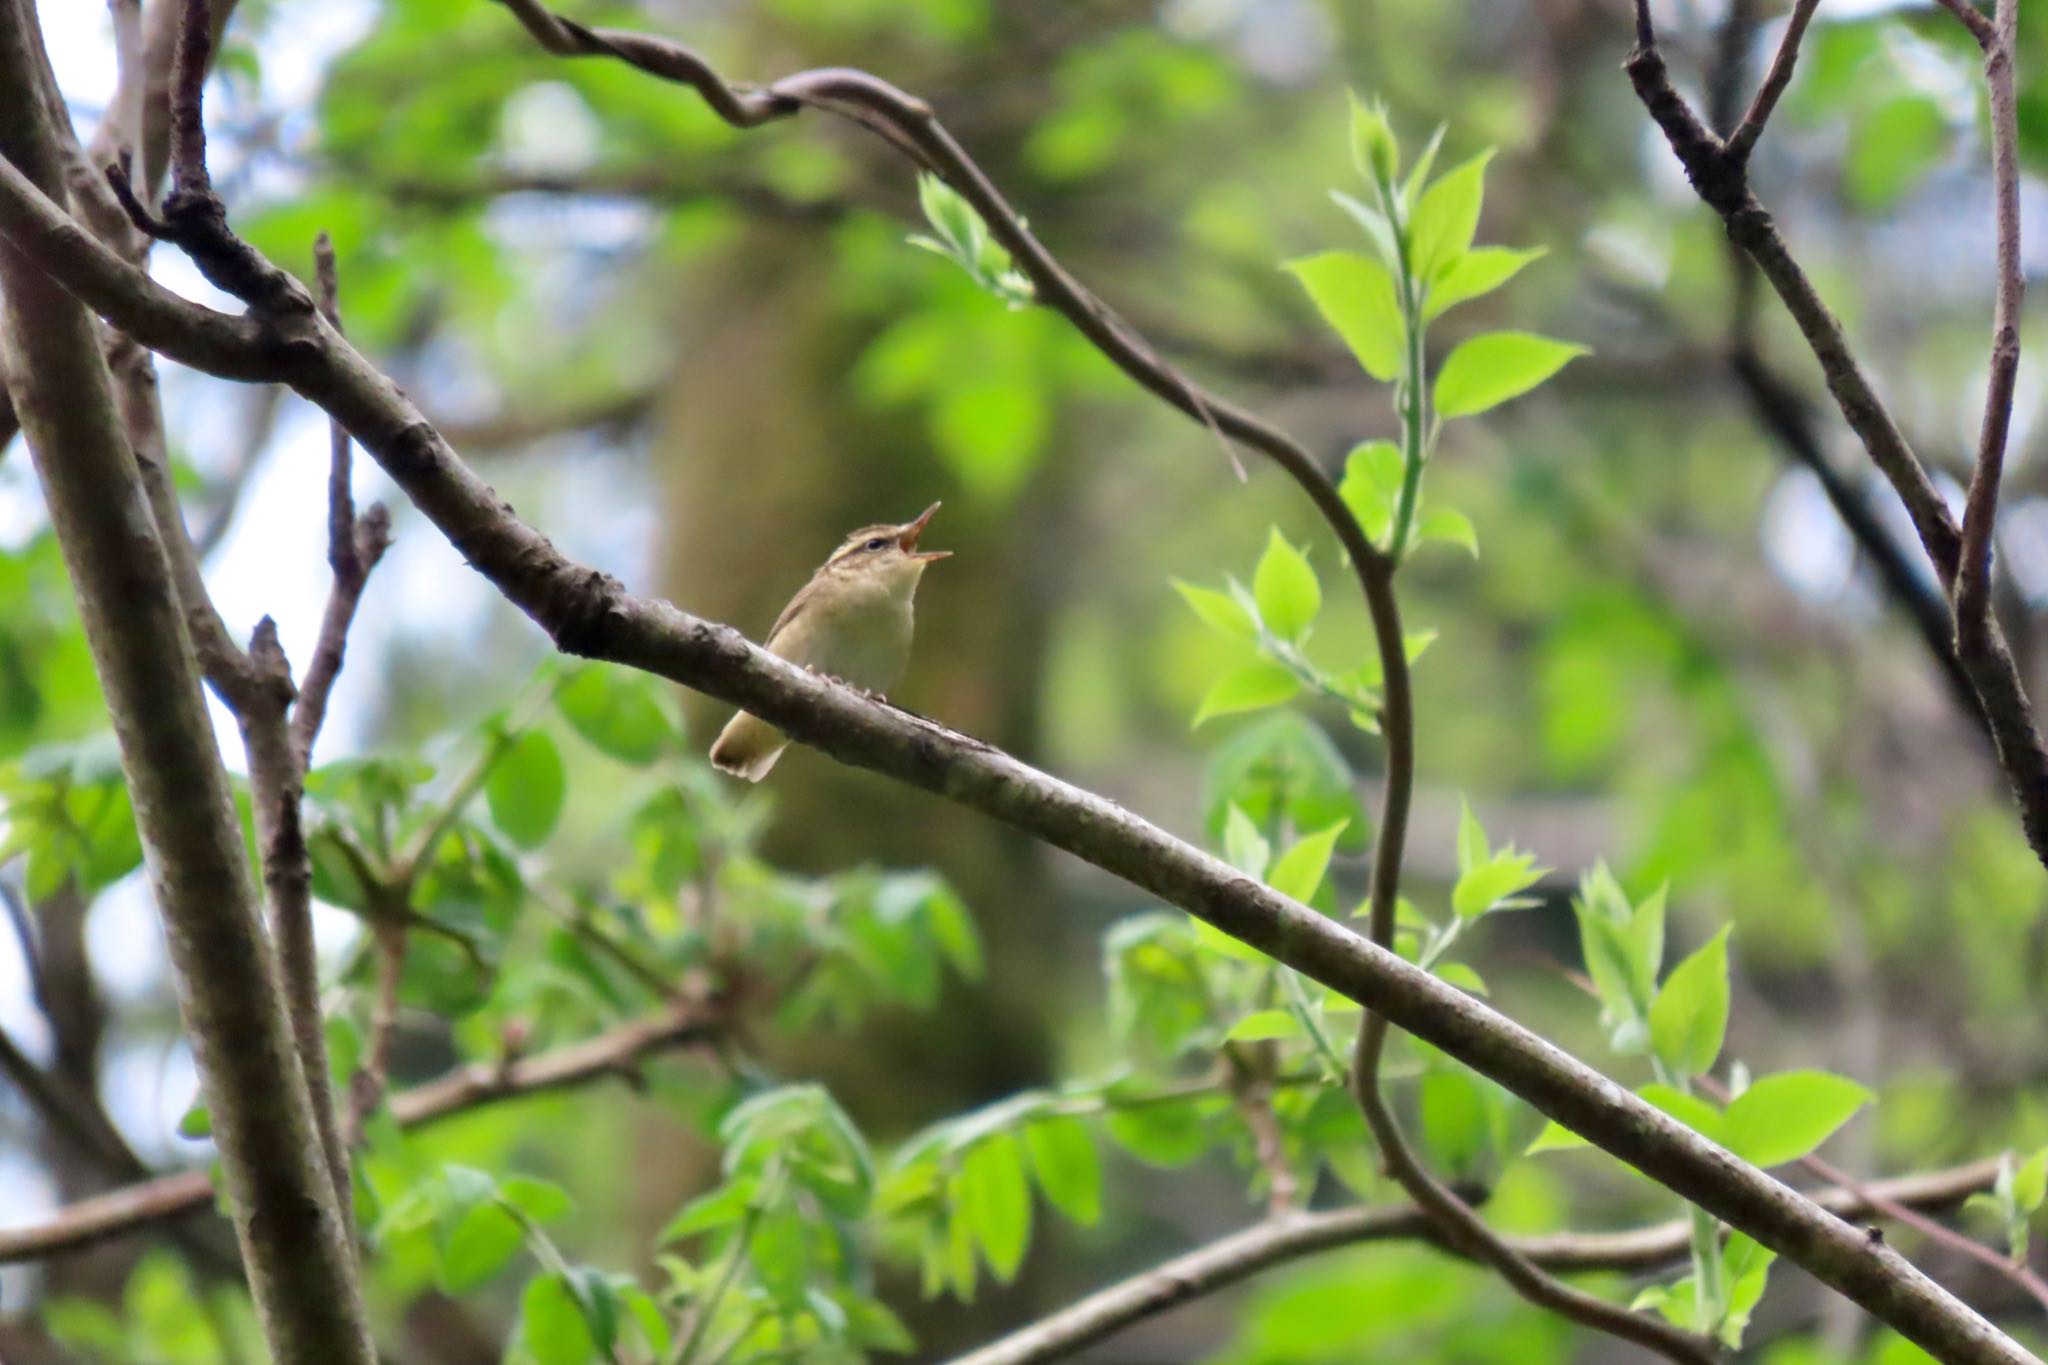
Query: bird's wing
[[777, 642]]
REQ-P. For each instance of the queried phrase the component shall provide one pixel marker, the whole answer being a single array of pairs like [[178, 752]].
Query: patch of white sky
[[272, 559]]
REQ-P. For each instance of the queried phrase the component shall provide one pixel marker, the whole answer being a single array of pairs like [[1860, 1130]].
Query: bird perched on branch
[[851, 622]]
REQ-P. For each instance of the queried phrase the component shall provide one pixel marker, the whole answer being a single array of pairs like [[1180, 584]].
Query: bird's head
[[886, 554]]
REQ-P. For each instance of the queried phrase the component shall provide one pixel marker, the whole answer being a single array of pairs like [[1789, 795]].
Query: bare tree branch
[[1974, 620], [1722, 182], [1743, 139], [618, 1052], [1280, 1241]]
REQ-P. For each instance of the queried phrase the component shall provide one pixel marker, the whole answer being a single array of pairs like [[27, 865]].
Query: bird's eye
[[878, 543]]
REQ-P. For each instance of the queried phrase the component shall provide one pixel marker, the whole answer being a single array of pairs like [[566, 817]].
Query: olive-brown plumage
[[852, 622]]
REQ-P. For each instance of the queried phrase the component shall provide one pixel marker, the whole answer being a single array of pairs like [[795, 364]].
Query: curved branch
[[908, 124], [1236, 1258], [1452, 1220]]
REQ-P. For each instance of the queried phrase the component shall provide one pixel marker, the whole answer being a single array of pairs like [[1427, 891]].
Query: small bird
[[851, 622]]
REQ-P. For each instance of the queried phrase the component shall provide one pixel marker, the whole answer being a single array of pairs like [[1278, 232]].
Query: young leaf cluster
[[1420, 264], [959, 234], [1681, 1023]]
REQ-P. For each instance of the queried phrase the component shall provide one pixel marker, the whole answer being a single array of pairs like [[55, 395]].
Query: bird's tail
[[747, 747]]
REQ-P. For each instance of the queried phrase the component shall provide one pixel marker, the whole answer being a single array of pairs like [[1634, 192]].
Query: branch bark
[[300, 1267]]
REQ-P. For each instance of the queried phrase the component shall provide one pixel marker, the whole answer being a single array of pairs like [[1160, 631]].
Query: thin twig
[[1884, 1205], [1743, 139], [354, 546], [1980, 510], [1250, 1084], [366, 1087]]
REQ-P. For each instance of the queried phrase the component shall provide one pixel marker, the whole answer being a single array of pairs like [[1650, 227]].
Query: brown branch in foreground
[[1280, 1241], [616, 1052], [1974, 618], [1722, 182], [300, 1269], [587, 613]]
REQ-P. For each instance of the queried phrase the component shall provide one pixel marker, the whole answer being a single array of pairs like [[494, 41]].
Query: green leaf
[[1374, 149], [718, 1208], [615, 711], [1261, 1025], [1355, 294], [1892, 147], [1288, 595], [1463, 977], [1490, 369], [1555, 1137], [872, 1323], [1249, 687], [1783, 1117], [1643, 941], [1454, 1119], [1449, 524], [1219, 610], [1299, 872], [1689, 1109], [197, 1122], [1372, 485], [2030, 1182], [995, 1198], [551, 1322], [1496, 882], [1160, 1134], [1371, 675], [541, 1200], [1447, 217], [1472, 849], [1475, 274], [480, 1245], [526, 789], [1063, 1158], [1689, 1017], [1418, 177], [1244, 848], [1378, 230]]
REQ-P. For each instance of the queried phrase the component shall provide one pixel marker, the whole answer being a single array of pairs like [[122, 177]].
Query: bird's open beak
[[908, 540]]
